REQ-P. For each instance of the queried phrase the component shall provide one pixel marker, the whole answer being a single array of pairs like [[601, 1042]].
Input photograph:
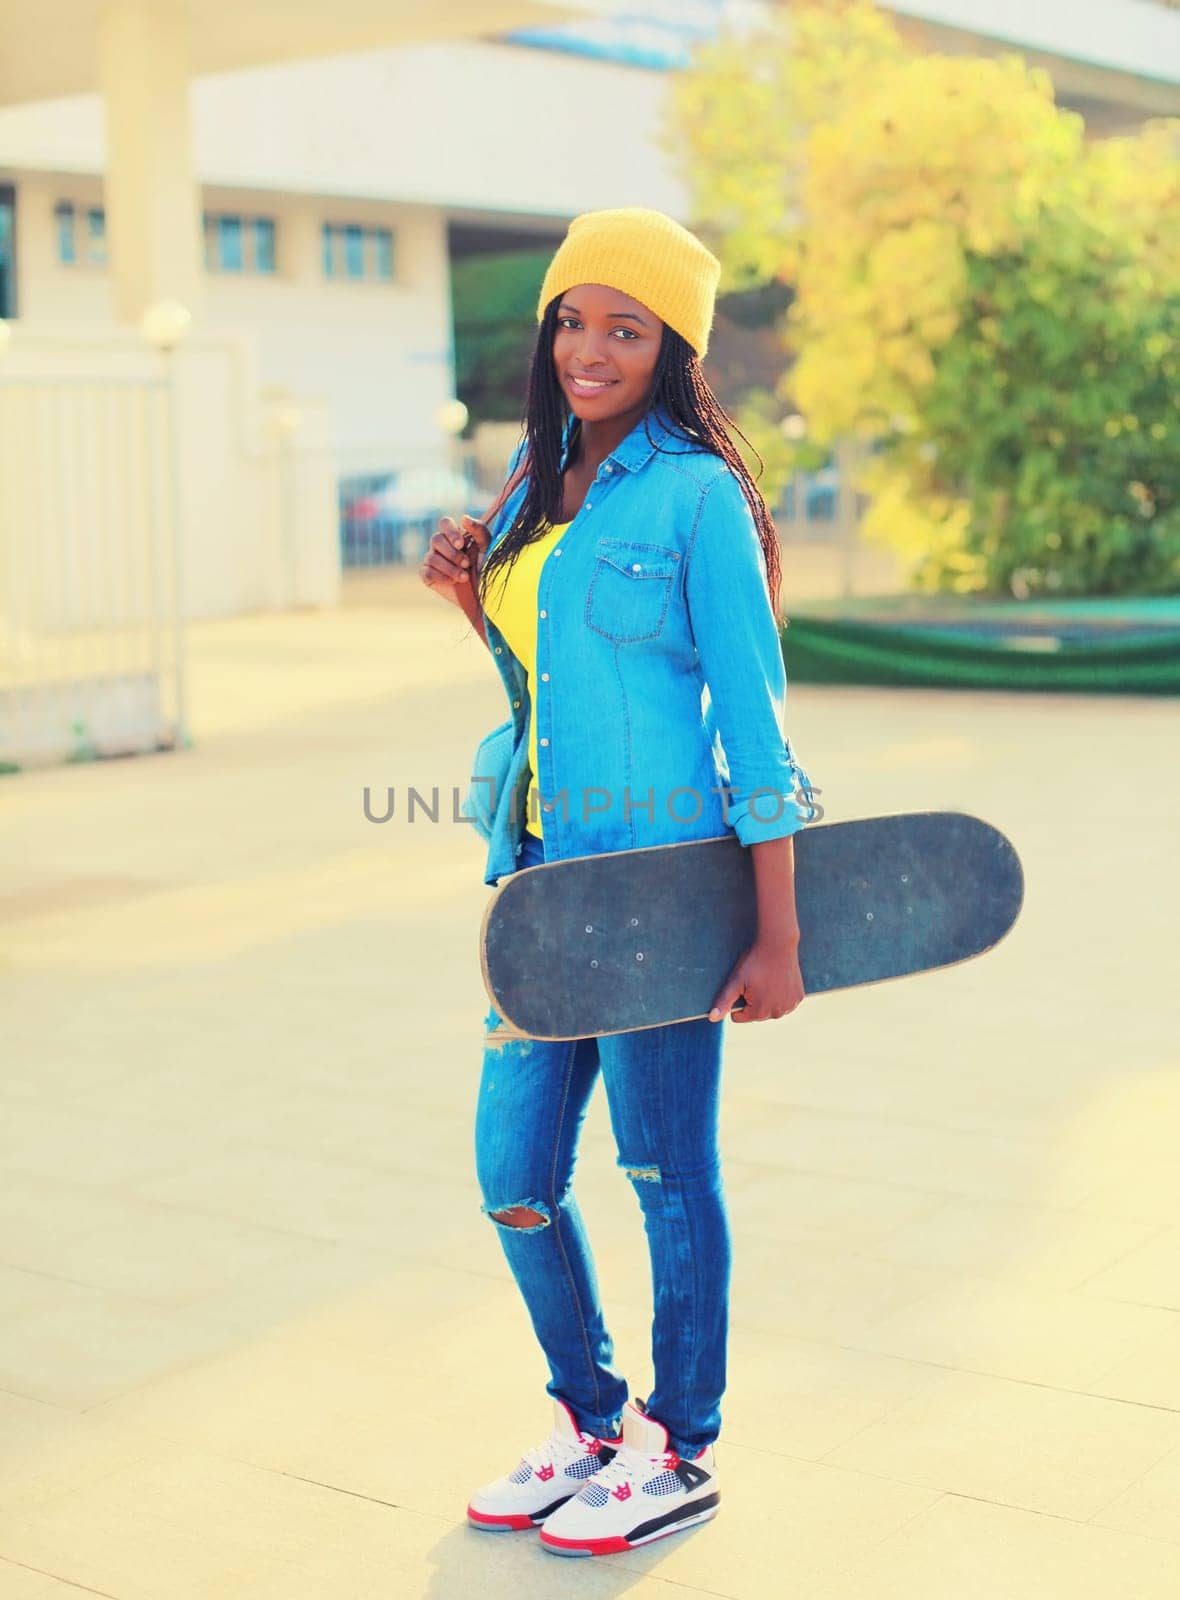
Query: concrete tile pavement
[[258, 1340]]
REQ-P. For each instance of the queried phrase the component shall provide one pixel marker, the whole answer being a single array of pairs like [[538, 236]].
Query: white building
[[149, 475], [303, 196], [330, 186]]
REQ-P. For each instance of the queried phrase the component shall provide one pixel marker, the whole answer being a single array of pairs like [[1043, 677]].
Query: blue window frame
[[230, 257], [357, 252], [238, 244], [63, 213], [81, 233], [264, 244], [7, 250], [382, 239], [96, 233], [354, 252]]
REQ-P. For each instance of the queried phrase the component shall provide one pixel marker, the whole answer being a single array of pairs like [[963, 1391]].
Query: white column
[[153, 202]]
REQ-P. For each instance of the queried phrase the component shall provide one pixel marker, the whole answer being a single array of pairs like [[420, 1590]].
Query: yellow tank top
[[512, 606]]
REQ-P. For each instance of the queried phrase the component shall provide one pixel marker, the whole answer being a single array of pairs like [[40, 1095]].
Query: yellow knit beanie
[[647, 255]]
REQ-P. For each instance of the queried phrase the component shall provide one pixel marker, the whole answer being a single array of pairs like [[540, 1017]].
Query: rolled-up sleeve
[[741, 659]]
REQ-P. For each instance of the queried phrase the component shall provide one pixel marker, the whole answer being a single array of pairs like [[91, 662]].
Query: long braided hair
[[680, 386]]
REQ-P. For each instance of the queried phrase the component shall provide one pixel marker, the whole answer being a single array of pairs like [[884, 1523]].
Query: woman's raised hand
[[453, 560]]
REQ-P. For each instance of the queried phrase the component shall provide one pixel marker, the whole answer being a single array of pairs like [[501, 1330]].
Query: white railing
[[140, 491], [91, 644]]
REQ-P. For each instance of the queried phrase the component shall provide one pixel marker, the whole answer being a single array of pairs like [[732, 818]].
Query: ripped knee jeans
[[662, 1088]]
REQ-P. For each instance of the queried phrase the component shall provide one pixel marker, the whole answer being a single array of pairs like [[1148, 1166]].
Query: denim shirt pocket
[[630, 589], [489, 774]]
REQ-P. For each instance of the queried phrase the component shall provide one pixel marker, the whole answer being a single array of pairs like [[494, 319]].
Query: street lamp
[[286, 419], [165, 323], [451, 418]]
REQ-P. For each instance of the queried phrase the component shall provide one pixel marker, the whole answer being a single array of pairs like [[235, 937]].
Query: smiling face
[[613, 343]]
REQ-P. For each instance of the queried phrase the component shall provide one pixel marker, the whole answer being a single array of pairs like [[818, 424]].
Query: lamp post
[[450, 419], [286, 419], [793, 428], [163, 325]]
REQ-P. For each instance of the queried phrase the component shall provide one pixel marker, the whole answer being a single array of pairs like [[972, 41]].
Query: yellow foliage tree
[[739, 123], [977, 290], [939, 158]]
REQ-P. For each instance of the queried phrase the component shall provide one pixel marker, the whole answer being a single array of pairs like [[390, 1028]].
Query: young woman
[[627, 588]]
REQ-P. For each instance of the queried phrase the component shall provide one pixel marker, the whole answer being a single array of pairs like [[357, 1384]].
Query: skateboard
[[633, 939]]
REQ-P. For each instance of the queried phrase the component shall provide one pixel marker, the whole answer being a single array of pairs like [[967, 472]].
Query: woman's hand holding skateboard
[[766, 979]]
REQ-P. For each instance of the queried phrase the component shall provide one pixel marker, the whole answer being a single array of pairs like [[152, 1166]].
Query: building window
[[357, 253], [7, 250], [235, 243], [81, 233], [264, 244]]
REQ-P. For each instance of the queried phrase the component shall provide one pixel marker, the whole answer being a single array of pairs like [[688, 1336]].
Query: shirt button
[[498, 650], [589, 507], [516, 704], [636, 567], [544, 741], [544, 614], [608, 468], [544, 677], [557, 552]]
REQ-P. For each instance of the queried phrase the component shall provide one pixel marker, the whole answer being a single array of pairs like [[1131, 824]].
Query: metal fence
[[389, 511], [91, 642]]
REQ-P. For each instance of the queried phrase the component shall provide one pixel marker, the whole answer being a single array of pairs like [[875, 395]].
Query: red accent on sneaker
[[671, 1458], [546, 1472], [622, 1491], [574, 1423], [512, 1520], [594, 1447], [594, 1547]]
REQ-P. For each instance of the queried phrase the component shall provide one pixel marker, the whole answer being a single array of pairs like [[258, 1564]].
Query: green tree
[[991, 301], [494, 299]]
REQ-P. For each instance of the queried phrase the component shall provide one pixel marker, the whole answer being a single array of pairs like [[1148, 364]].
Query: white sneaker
[[547, 1476], [646, 1492]]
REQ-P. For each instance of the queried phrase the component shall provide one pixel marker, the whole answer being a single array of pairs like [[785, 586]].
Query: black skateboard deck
[[638, 938]]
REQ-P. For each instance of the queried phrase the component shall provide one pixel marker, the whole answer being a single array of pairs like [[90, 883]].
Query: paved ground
[[257, 1340]]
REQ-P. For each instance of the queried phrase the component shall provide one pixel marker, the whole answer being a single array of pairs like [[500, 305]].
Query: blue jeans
[[662, 1087]]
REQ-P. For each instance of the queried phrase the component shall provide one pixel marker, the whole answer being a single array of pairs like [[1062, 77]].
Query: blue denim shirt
[[660, 685]]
